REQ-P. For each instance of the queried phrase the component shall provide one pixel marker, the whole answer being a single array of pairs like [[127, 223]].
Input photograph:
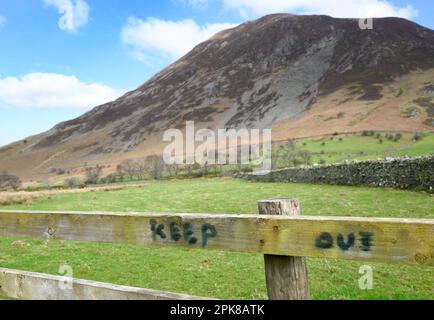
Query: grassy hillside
[[218, 274], [334, 149]]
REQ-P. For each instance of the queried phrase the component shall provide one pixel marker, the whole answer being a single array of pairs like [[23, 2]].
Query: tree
[[306, 157], [155, 166], [93, 174], [9, 181], [74, 183], [173, 169], [127, 166]]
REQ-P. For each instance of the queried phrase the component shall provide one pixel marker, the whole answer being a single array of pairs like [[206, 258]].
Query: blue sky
[[60, 58]]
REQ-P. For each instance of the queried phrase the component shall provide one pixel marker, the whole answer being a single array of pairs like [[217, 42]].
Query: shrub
[[8, 181], [296, 162], [74, 183], [92, 174], [306, 157], [155, 166], [417, 137]]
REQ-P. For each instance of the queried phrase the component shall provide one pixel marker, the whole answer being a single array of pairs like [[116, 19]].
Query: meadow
[[374, 145], [226, 275]]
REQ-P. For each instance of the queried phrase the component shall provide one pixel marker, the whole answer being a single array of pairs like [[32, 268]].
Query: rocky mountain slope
[[300, 75]]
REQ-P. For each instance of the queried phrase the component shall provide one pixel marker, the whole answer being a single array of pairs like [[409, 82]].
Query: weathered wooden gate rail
[[406, 241]]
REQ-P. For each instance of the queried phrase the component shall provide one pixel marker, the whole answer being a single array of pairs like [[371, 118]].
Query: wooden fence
[[280, 233]]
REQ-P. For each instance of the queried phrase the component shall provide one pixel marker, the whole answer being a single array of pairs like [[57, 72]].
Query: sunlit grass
[[222, 274]]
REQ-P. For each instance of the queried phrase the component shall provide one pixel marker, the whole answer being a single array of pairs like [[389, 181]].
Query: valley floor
[[221, 274]]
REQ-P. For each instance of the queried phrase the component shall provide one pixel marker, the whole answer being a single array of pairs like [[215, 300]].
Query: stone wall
[[402, 173]]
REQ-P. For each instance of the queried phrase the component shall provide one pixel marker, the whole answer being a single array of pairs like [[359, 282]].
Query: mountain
[[299, 75]]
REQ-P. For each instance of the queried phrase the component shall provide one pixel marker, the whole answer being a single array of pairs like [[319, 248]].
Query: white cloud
[[75, 13], [50, 90], [2, 21], [335, 8], [153, 38]]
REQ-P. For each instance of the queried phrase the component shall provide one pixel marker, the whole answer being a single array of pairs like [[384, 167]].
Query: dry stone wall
[[402, 173]]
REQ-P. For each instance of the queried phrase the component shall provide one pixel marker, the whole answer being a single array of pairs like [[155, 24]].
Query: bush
[[8, 181], [296, 162], [247, 170], [74, 183], [155, 166], [306, 157], [93, 174], [417, 136]]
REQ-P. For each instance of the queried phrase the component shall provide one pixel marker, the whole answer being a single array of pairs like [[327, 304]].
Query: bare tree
[[127, 167], [93, 174], [9, 181], [306, 157], [155, 166], [173, 170]]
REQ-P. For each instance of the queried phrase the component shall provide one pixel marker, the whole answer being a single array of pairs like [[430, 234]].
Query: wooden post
[[286, 276]]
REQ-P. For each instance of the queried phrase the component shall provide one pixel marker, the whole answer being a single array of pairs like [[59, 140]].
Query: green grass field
[[223, 274], [357, 147]]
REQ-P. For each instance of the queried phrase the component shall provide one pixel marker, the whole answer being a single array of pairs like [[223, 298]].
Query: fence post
[[286, 276]]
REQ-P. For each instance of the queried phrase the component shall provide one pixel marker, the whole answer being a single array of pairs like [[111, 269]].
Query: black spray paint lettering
[[185, 232], [157, 230], [346, 245], [208, 232], [366, 240], [326, 241], [175, 232], [188, 234]]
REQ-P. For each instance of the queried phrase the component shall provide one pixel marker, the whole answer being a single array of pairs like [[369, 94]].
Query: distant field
[[322, 150], [358, 147], [218, 274]]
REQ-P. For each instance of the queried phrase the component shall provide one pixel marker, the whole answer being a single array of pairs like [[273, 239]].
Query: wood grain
[[35, 286], [286, 276], [406, 241]]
